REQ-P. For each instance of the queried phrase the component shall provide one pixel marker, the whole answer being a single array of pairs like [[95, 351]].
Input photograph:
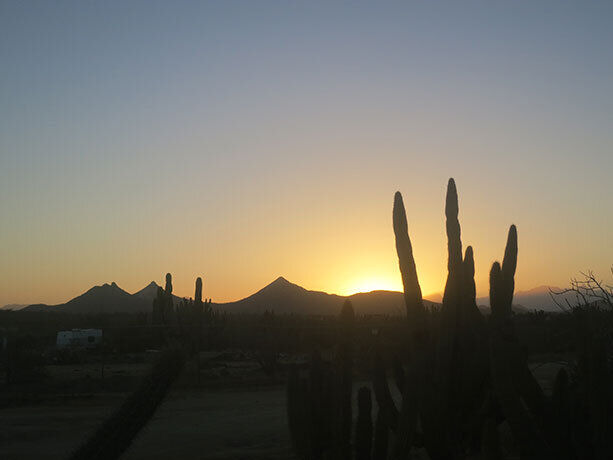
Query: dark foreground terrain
[[234, 423], [236, 413]]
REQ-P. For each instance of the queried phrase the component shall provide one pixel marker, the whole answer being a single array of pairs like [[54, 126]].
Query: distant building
[[79, 338]]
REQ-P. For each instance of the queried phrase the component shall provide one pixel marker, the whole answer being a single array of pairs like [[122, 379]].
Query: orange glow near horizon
[[381, 283], [371, 284]]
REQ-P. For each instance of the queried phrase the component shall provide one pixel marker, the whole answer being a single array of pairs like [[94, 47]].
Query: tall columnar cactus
[[412, 290], [446, 364]]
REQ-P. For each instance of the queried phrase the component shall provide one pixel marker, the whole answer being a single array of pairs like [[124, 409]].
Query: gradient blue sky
[[241, 141]]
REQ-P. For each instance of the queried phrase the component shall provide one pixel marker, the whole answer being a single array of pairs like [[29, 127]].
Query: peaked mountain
[[108, 298], [285, 297], [150, 292]]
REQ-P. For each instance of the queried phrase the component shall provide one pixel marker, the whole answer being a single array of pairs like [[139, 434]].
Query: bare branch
[[588, 290]]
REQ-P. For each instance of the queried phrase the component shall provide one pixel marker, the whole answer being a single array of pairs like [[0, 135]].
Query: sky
[[242, 141]]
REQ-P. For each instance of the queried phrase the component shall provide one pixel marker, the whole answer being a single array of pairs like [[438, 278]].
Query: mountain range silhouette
[[281, 295], [108, 298]]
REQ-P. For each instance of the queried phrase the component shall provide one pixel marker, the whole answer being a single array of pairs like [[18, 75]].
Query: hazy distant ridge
[[535, 298]]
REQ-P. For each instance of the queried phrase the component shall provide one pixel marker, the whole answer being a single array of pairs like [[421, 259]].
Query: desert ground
[[235, 413], [214, 424]]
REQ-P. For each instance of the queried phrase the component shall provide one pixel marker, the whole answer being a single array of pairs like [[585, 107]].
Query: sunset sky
[[242, 141]]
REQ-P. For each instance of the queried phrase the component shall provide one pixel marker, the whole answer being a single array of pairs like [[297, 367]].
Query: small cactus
[[198, 293]]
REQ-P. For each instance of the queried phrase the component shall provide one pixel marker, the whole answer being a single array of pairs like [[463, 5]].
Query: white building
[[85, 338]]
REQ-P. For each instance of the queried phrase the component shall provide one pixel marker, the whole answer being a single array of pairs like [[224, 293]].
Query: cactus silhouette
[[458, 361], [461, 375], [168, 309], [448, 361], [198, 306]]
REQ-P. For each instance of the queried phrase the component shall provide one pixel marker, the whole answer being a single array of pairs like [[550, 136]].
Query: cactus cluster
[[192, 312], [461, 377], [163, 304], [466, 374]]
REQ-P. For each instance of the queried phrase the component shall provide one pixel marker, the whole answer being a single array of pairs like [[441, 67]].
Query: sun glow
[[372, 284], [392, 282]]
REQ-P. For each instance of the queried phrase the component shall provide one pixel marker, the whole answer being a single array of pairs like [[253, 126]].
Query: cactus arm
[[454, 241], [502, 282], [471, 316], [505, 362], [453, 286], [452, 292], [509, 262], [412, 291], [528, 387], [468, 272]]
